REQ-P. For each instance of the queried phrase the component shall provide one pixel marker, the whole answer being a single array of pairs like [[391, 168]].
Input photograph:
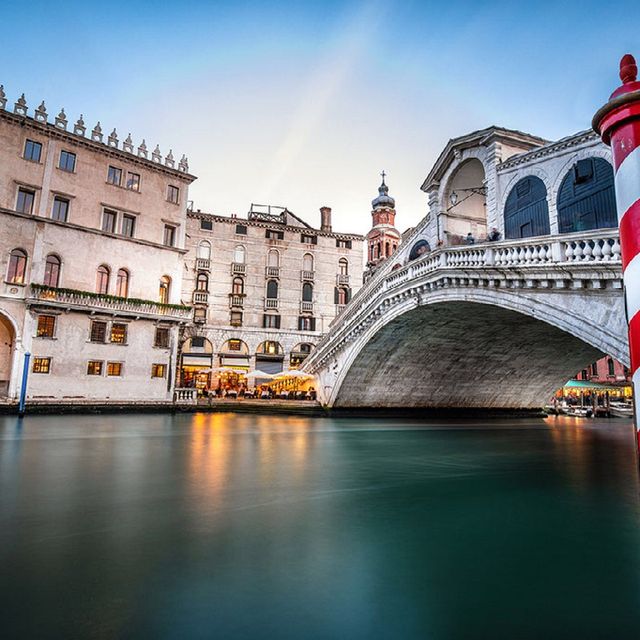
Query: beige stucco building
[[264, 289], [91, 257]]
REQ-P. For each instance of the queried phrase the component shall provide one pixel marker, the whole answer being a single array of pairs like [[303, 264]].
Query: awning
[[269, 366], [234, 362], [197, 360], [594, 386]]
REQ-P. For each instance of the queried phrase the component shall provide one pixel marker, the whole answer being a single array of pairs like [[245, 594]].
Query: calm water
[[230, 526]]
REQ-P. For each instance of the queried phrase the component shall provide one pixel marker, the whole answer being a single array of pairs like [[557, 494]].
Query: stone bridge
[[496, 325]]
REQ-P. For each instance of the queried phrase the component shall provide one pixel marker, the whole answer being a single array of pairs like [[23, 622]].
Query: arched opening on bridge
[[526, 212], [586, 198], [463, 355], [7, 348], [419, 249], [465, 203], [196, 363]]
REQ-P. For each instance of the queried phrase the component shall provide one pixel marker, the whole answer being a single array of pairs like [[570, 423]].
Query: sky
[[303, 104]]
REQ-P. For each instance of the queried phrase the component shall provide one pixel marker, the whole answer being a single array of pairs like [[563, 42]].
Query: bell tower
[[383, 238]]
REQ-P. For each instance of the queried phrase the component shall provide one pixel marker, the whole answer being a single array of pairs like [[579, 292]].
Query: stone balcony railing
[[238, 268], [203, 264], [201, 297], [270, 303], [306, 307], [307, 276], [89, 301], [236, 300], [185, 396], [342, 278], [272, 272]]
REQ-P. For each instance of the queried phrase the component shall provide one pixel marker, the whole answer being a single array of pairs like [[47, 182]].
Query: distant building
[[607, 370], [264, 290], [383, 238], [91, 246]]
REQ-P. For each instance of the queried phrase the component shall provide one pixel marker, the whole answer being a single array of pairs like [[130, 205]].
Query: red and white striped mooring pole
[[618, 123]]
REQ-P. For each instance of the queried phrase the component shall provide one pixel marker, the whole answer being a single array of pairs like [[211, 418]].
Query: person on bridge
[[494, 235], [470, 239]]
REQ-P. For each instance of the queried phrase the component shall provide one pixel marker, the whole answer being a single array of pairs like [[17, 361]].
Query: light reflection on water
[[236, 526]]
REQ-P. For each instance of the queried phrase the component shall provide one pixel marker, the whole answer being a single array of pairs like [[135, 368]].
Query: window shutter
[[312, 323], [336, 295]]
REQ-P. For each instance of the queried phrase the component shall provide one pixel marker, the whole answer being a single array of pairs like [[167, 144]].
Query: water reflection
[[221, 525]]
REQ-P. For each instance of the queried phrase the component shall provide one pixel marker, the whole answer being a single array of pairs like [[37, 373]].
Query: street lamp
[[455, 199]]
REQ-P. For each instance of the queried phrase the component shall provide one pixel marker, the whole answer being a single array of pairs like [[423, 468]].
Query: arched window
[[52, 271], [273, 258], [237, 287], [526, 212], [17, 267], [122, 283], [307, 292], [419, 249], [165, 289], [586, 198], [272, 289], [343, 265], [102, 279], [202, 283], [387, 249], [307, 262], [239, 254], [342, 295], [204, 250]]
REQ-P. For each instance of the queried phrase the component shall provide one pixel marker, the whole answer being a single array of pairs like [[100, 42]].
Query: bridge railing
[[595, 246]]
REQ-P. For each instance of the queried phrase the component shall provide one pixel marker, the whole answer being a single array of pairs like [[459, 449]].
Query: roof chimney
[[325, 219]]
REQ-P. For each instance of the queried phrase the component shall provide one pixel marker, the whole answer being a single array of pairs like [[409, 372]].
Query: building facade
[[91, 252], [264, 289]]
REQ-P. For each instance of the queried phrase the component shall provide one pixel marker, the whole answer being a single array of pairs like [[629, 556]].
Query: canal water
[[235, 526]]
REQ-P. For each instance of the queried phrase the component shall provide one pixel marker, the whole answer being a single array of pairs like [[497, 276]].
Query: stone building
[[264, 290], [91, 253], [383, 238]]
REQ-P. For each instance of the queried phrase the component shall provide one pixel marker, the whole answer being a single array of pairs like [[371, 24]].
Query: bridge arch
[[444, 351], [526, 211]]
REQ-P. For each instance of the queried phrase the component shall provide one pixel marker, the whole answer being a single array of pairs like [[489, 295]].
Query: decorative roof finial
[[169, 161], [79, 128], [113, 139], [127, 145], [628, 69], [20, 107], [142, 149], [183, 165], [41, 113], [96, 133], [383, 174], [61, 120], [3, 97], [156, 156]]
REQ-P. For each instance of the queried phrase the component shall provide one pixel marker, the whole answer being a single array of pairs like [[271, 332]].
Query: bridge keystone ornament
[[618, 123]]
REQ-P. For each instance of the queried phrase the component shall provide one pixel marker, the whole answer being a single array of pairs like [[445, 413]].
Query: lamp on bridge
[[454, 198]]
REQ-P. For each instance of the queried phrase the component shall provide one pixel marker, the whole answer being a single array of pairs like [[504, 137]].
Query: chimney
[[325, 219]]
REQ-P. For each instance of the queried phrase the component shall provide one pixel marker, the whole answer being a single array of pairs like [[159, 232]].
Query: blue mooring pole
[[23, 389]]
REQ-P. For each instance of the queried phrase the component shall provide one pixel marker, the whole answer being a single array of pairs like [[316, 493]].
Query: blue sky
[[302, 104]]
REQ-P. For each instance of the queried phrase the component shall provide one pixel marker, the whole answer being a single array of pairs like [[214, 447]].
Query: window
[[584, 375], [114, 176], [41, 365], [32, 151], [236, 319], [307, 262], [206, 224], [128, 225], [342, 295], [114, 369], [67, 161], [344, 244], [307, 292], [60, 209], [611, 367], [173, 194], [109, 218], [94, 367], [25, 201], [273, 258], [272, 289], [133, 181], [306, 323], [241, 229], [202, 283], [271, 234], [169, 238], [165, 289], [239, 254], [157, 370], [52, 271], [594, 369], [17, 267], [235, 345], [122, 283], [102, 279], [270, 321], [343, 266], [98, 332], [119, 333], [161, 338], [204, 250], [308, 239], [200, 314], [237, 287], [46, 326], [197, 342]]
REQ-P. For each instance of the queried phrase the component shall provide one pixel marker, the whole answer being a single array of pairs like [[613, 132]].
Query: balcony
[[342, 278], [72, 299], [340, 308], [201, 297], [307, 276], [306, 307], [272, 272], [238, 268], [203, 264], [271, 303], [236, 300]]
